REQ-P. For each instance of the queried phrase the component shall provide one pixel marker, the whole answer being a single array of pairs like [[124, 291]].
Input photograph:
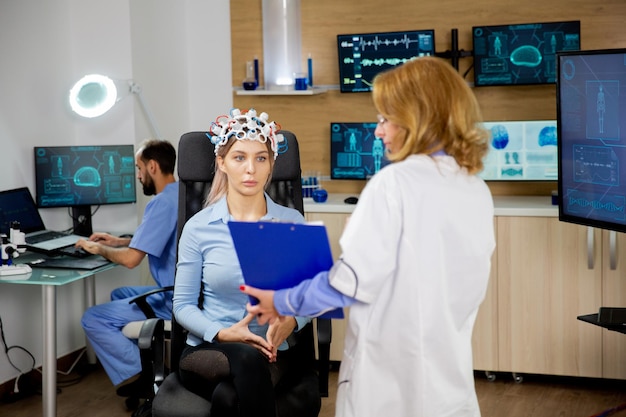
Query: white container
[[282, 40]]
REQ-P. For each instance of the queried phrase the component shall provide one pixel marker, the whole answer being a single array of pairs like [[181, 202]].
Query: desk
[[49, 279], [593, 319]]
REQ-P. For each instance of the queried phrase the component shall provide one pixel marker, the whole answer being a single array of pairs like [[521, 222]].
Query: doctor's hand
[[239, 332], [88, 246], [108, 240], [264, 310]]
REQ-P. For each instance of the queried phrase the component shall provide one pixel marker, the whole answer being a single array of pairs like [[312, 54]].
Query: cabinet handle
[[613, 250], [590, 247]]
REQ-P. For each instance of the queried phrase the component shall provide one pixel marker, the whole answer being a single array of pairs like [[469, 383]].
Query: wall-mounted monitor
[[355, 152], [522, 53], [521, 151], [362, 56], [591, 121], [83, 176]]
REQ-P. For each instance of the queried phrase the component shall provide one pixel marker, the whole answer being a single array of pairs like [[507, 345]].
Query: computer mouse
[[351, 200]]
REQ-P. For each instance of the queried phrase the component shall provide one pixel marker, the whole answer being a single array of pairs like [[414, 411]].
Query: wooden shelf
[[262, 92]]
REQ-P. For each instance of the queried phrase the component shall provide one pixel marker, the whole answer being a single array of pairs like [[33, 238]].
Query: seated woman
[[229, 359]]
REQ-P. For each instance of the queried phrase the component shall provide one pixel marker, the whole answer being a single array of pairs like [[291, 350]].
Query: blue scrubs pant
[[103, 326]]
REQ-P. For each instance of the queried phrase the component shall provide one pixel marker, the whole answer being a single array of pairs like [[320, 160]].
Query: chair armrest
[[151, 344], [142, 302], [324, 337]]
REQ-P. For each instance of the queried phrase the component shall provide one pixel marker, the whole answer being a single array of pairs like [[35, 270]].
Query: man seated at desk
[[155, 237]]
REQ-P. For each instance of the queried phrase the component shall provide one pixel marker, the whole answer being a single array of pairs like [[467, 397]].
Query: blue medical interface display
[[591, 118], [68, 176], [355, 152], [362, 56], [521, 151], [523, 53]]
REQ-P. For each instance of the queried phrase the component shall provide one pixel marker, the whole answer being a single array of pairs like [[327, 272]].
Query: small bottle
[[250, 82], [15, 229]]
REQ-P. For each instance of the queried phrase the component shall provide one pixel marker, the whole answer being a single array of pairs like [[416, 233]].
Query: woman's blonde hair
[[219, 187], [435, 110]]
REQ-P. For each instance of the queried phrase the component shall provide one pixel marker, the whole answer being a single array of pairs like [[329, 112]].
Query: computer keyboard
[[45, 236]]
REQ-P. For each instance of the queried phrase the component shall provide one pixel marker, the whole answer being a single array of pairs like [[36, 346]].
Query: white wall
[[164, 45]]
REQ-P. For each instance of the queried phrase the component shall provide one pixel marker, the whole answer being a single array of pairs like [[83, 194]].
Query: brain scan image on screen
[[521, 54], [525, 150]]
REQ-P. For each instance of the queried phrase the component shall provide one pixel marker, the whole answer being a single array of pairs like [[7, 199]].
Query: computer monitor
[[83, 176], [355, 152], [522, 53], [362, 56], [521, 151], [591, 121]]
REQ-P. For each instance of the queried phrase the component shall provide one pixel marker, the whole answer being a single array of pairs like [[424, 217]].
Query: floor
[[535, 396]]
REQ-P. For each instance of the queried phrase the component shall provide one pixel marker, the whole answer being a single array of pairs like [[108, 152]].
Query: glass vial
[[249, 83]]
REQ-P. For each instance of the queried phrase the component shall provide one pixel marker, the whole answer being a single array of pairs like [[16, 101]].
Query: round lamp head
[[93, 95]]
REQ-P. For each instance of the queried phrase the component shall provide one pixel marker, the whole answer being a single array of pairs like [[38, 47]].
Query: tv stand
[[81, 219]]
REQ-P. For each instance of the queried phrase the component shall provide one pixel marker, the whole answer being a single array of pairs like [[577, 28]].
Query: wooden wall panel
[[602, 26]]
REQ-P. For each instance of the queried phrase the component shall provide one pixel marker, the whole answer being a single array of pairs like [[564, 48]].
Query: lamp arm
[[136, 90]]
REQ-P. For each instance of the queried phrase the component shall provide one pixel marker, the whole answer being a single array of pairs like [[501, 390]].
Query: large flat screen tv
[[591, 122], [521, 151], [362, 56], [522, 53], [83, 176]]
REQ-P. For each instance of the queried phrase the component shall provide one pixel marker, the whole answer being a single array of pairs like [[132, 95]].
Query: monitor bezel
[[485, 124], [331, 164], [39, 177], [563, 215], [475, 76], [342, 87]]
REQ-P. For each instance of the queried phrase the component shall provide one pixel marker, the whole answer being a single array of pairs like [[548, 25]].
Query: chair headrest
[[196, 158]]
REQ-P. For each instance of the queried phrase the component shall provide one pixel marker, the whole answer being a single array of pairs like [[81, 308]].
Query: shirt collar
[[220, 210]]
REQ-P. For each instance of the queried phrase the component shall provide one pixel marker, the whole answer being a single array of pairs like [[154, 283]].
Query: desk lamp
[[95, 94]]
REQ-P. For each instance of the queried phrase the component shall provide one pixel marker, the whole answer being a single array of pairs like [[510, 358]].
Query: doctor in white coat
[[416, 255]]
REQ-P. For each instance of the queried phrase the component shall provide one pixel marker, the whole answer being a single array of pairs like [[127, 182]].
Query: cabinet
[[613, 295], [550, 272], [544, 274], [544, 283]]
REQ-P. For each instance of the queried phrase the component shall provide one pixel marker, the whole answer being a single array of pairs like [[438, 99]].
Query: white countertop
[[537, 206]]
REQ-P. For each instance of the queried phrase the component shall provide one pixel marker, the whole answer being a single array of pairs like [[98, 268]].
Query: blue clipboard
[[277, 255]]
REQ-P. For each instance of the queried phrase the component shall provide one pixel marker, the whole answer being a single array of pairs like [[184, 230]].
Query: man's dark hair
[[162, 152]]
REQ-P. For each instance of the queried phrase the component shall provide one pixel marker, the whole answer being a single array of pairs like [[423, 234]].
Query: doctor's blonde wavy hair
[[435, 110]]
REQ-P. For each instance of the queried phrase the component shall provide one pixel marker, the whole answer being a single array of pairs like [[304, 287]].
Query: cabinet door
[[485, 335], [544, 283], [613, 295], [335, 223]]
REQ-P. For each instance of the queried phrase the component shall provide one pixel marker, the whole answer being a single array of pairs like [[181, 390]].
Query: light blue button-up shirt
[[207, 261]]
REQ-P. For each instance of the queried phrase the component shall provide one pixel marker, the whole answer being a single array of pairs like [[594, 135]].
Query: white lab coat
[[416, 255]]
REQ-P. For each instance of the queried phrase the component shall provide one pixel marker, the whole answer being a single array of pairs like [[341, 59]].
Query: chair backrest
[[196, 168]]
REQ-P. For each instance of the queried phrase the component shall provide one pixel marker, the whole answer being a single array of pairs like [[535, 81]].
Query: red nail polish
[[242, 287]]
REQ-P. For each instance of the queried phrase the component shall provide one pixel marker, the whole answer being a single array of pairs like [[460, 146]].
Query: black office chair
[[298, 399]]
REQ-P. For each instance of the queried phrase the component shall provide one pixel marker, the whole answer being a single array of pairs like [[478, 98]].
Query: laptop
[[67, 262], [19, 205]]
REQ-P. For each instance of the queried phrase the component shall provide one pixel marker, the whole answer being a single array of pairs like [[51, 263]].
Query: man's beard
[[148, 186]]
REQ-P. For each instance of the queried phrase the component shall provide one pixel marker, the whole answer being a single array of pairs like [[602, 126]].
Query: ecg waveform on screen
[[363, 56], [377, 42], [381, 62]]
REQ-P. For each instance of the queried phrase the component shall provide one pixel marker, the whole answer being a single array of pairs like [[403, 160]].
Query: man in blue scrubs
[[156, 238]]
